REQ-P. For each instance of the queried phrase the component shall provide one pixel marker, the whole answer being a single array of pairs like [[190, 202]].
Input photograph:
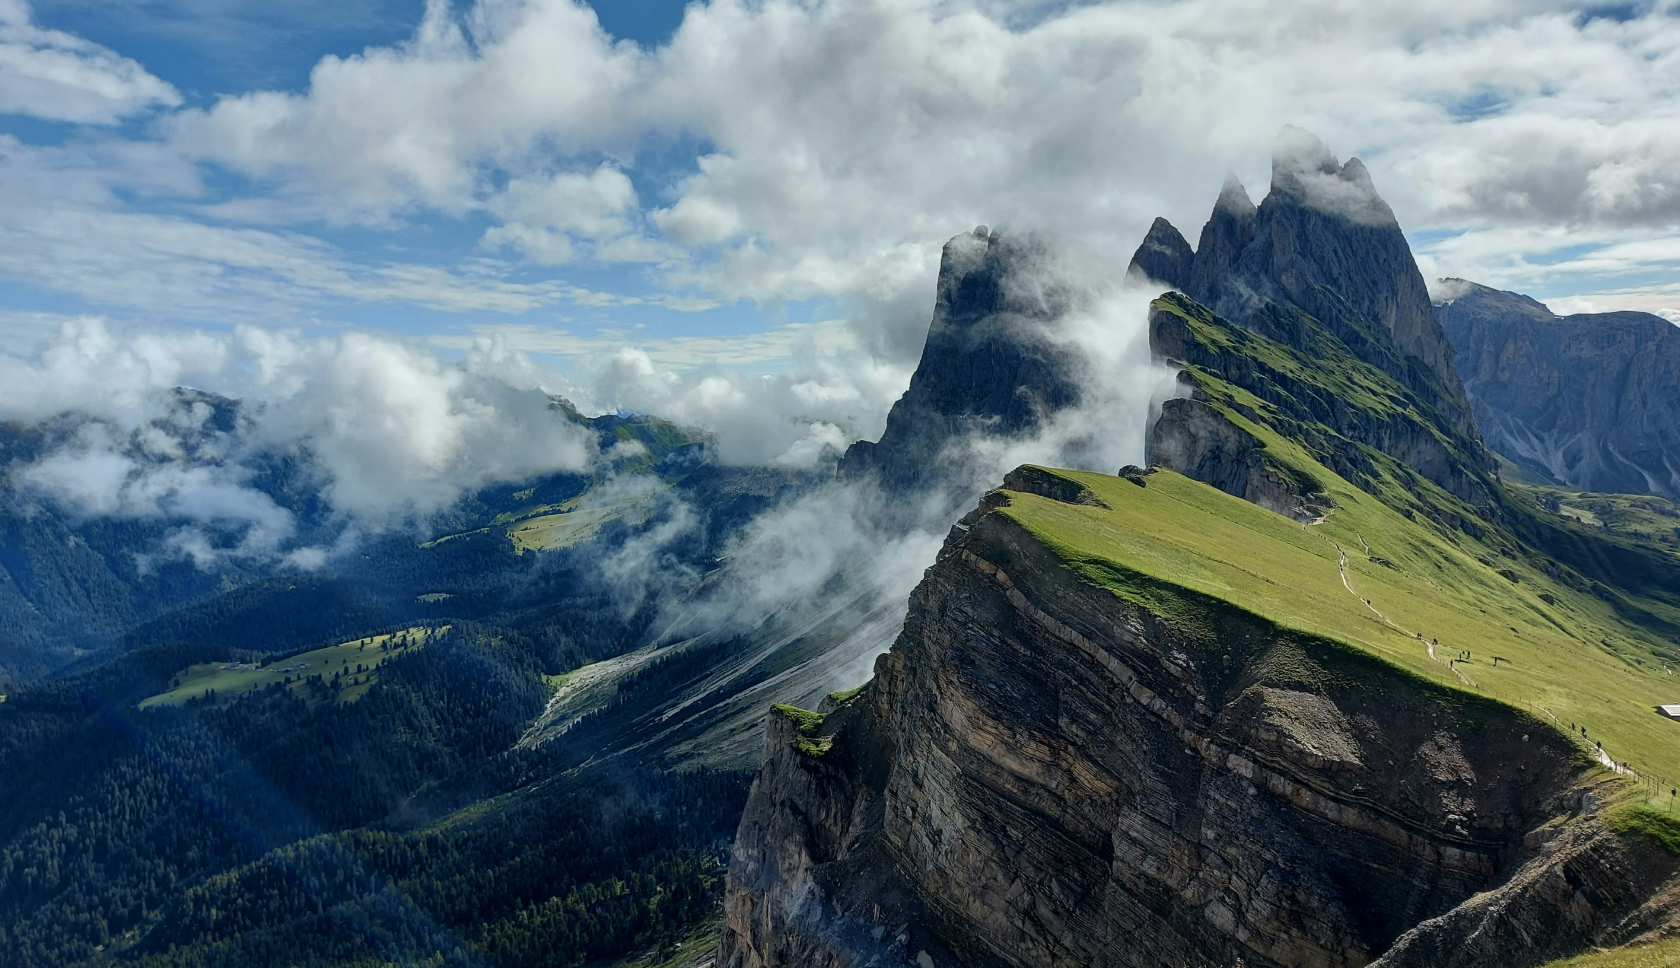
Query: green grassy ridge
[[1662, 954], [1301, 389], [1331, 369], [224, 681], [1639, 577], [1177, 533], [844, 696], [807, 726], [1638, 582], [1662, 826]]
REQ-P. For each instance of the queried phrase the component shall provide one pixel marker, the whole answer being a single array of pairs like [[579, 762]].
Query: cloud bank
[[513, 164], [56, 76], [386, 433]]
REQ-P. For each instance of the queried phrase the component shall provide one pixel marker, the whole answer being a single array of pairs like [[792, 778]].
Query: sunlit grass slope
[[355, 664], [580, 519], [1663, 954], [1550, 640], [1646, 518]]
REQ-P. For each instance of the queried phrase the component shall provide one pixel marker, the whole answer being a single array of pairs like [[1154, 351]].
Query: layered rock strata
[[1043, 773], [1199, 442]]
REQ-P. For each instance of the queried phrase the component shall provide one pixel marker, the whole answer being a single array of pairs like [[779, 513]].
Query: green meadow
[[551, 527], [1663, 954], [353, 664], [1391, 586]]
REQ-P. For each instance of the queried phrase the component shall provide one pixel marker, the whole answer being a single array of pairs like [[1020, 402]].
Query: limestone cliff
[[1198, 441], [1588, 400], [1046, 773]]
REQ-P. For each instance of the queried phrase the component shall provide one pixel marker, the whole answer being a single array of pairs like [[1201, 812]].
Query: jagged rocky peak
[[1229, 230], [1233, 199], [1303, 169], [1323, 226], [1164, 257], [985, 274], [988, 366], [1322, 243]]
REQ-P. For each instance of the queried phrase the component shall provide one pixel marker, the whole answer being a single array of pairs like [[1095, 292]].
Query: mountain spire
[[1164, 256], [1233, 198]]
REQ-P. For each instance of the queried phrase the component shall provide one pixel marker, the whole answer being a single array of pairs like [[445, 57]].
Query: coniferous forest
[[283, 827]]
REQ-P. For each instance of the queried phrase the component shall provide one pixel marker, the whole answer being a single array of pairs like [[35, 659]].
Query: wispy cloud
[[60, 77], [783, 343]]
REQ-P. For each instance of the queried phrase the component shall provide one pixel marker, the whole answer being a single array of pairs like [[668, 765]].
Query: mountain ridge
[[1321, 243], [1117, 729]]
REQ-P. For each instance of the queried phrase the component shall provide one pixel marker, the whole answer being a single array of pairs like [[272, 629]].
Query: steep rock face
[[1199, 442], [1323, 243], [987, 367], [1343, 396], [1229, 230], [1164, 256], [1590, 400], [1044, 774]]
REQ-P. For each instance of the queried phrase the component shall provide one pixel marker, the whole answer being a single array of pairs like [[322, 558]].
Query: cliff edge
[[1068, 760]]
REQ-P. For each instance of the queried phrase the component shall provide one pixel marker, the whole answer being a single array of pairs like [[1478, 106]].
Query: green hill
[[1368, 577], [349, 668], [1663, 954], [1424, 557]]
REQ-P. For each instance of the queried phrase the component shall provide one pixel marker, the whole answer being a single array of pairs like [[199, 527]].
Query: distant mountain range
[[1589, 401]]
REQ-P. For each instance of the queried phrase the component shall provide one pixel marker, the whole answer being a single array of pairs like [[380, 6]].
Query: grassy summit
[[351, 668], [1178, 533], [1430, 563]]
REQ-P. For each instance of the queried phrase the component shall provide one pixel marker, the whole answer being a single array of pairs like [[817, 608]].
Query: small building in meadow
[[1672, 711]]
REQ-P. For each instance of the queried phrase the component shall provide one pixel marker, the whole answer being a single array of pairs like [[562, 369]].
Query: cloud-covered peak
[[1233, 198], [1304, 169]]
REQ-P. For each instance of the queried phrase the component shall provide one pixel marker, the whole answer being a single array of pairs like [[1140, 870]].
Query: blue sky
[[732, 212], [209, 49]]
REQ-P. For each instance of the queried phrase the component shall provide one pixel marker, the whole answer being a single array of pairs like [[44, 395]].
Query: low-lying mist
[[316, 444], [856, 540]]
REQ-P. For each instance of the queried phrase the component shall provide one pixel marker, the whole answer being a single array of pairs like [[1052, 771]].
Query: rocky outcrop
[[1199, 442], [1584, 887], [1323, 403], [1164, 256], [988, 367], [1043, 773], [1323, 243], [1588, 400]]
